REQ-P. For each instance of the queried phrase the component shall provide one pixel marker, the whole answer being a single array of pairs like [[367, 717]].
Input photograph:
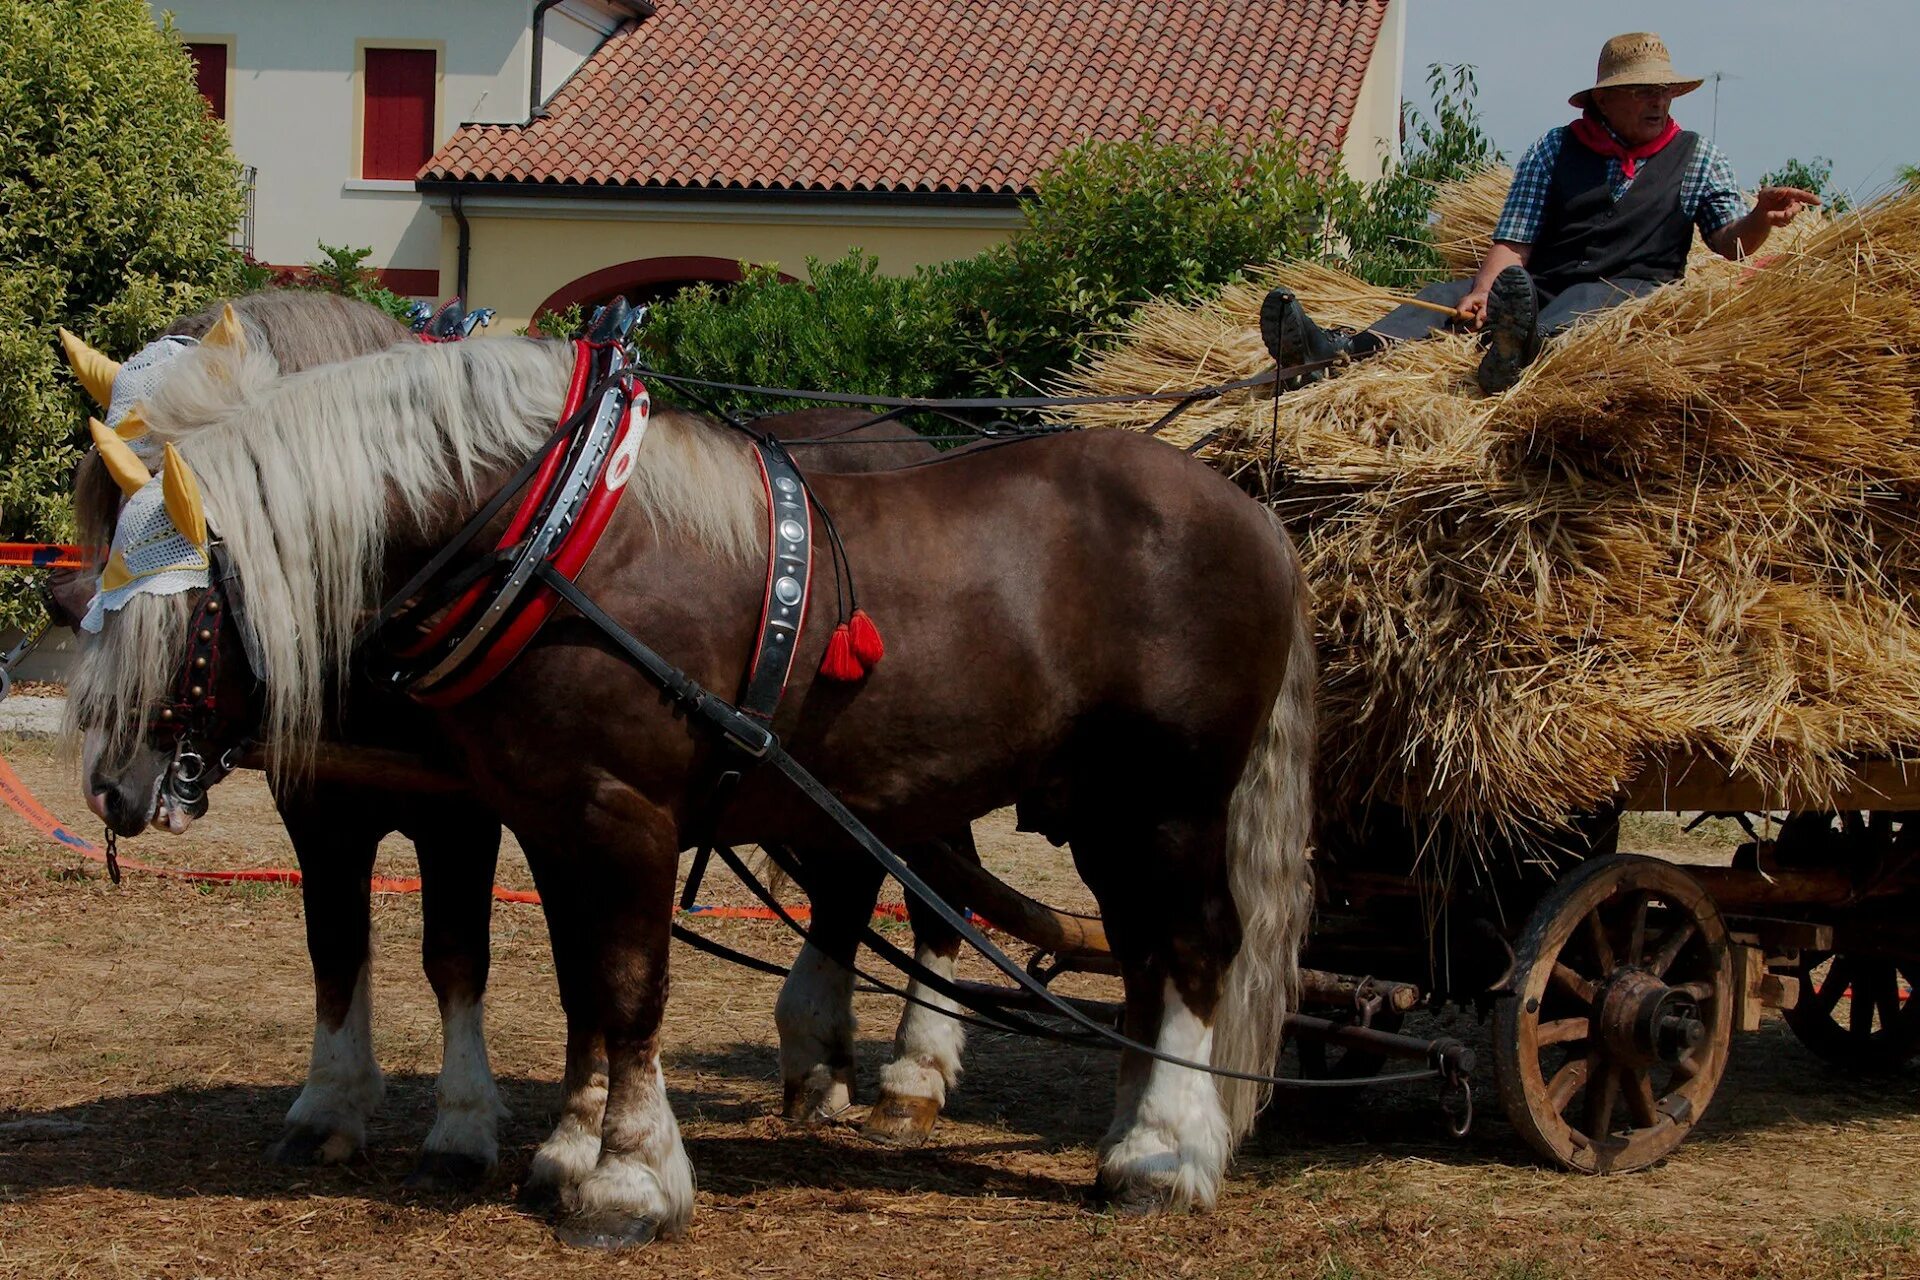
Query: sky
[[1833, 78]]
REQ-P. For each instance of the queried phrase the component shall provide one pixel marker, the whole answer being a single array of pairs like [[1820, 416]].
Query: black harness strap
[[789, 574]]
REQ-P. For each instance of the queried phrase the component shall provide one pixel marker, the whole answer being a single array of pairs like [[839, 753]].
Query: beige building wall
[[1372, 144], [523, 249], [294, 92]]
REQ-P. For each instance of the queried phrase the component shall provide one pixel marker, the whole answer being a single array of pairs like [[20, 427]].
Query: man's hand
[[1473, 309], [1781, 205]]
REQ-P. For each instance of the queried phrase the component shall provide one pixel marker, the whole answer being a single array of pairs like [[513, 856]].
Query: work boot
[[1513, 329], [1293, 338]]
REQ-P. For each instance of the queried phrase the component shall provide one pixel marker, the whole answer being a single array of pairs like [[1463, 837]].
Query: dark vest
[[1585, 235]]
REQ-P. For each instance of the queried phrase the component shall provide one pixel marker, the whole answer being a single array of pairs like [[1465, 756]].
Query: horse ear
[[227, 332], [133, 424], [95, 371], [182, 494], [122, 464]]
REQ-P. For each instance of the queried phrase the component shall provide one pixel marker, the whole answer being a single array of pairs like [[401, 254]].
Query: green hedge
[[117, 196]]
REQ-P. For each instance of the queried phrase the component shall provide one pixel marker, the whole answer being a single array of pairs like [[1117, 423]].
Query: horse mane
[[307, 477], [301, 327]]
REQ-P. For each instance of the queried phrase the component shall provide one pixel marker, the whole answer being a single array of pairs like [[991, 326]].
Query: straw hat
[[1638, 57]]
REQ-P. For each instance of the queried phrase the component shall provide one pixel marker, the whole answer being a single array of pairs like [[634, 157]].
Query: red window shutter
[[397, 116], [210, 75]]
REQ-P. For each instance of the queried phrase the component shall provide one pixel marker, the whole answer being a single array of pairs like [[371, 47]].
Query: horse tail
[[1269, 826]]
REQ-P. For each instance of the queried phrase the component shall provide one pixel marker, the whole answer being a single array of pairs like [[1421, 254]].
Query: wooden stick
[[1424, 305]]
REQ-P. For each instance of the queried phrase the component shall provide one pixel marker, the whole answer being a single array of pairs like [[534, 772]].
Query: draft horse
[[336, 826], [1090, 626]]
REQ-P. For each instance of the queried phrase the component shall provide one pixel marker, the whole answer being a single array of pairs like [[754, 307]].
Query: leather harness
[[498, 607]]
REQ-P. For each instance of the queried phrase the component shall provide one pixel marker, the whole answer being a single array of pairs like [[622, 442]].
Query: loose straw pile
[[1689, 531]]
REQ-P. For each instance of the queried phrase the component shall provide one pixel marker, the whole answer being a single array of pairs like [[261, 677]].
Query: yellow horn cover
[[227, 332], [127, 470], [182, 494], [95, 371], [132, 426]]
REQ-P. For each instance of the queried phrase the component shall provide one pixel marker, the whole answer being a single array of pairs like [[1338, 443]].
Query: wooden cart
[[1616, 984]]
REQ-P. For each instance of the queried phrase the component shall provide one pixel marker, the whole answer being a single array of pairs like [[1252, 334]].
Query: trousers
[[1557, 311]]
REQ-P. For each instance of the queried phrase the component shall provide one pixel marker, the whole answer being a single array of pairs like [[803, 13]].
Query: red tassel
[[839, 662], [868, 647]]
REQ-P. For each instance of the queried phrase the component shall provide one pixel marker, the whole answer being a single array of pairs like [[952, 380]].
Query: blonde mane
[[308, 476]]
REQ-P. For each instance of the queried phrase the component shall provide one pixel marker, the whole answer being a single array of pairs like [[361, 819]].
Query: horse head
[[165, 692]]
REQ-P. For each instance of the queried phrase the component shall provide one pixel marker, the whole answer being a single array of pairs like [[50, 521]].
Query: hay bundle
[[1689, 530]]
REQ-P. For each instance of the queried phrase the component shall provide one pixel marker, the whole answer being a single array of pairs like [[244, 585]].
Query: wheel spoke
[[1640, 1099], [1602, 945], [1827, 994], [1886, 996], [1561, 1031], [1860, 1008], [1603, 1092], [1637, 934], [1670, 949], [1565, 1083], [1572, 983]]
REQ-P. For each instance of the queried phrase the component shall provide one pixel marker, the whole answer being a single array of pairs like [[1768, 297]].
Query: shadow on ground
[[1022, 1096]]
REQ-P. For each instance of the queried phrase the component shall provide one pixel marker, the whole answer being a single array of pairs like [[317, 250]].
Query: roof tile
[[919, 95]]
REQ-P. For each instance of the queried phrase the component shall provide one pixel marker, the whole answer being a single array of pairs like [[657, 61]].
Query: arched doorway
[[644, 280]]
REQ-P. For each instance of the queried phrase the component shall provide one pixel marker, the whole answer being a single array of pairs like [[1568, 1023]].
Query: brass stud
[[213, 605], [200, 663], [197, 691], [166, 713], [205, 635]]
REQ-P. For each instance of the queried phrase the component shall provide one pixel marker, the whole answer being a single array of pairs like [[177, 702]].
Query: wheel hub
[[1643, 1021]]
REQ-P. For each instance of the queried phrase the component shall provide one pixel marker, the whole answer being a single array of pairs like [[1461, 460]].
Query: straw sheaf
[[1689, 531]]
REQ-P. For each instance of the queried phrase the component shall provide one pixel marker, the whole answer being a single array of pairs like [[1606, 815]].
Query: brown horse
[[1093, 627], [336, 829]]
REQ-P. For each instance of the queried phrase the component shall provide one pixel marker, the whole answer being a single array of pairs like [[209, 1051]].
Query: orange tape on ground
[[23, 802]]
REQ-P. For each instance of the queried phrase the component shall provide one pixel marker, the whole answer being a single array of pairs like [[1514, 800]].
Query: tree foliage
[[1815, 175], [1386, 225], [118, 193]]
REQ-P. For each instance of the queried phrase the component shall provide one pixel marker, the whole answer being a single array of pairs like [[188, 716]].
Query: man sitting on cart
[[1600, 211]]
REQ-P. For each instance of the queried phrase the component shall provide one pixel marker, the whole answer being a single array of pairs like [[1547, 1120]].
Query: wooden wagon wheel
[[1857, 1010], [1616, 1034]]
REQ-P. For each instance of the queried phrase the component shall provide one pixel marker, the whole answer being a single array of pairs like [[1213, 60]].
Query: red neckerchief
[[1595, 136]]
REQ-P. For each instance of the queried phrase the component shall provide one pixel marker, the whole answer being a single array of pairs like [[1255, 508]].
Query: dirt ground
[[152, 1036]]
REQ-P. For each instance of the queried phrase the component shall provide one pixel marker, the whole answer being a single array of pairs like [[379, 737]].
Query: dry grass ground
[[152, 1036]]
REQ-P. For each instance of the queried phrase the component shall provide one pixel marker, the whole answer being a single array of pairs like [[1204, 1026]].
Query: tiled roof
[[919, 95]]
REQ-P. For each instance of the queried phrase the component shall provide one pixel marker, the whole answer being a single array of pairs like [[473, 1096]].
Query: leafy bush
[[344, 271], [118, 193], [1112, 224], [850, 329]]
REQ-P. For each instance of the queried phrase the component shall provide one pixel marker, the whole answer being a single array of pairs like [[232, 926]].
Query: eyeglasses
[[1646, 92]]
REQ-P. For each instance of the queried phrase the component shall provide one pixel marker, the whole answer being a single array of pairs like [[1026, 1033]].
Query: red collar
[[1594, 136]]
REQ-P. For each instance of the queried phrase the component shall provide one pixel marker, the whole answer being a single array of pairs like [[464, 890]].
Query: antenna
[[1717, 77]]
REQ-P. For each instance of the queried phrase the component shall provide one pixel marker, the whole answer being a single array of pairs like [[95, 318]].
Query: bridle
[[196, 719]]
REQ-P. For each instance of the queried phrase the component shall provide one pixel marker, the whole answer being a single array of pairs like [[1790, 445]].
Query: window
[[210, 75], [397, 120]]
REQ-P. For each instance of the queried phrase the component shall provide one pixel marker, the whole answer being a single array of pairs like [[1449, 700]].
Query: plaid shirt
[[1709, 193]]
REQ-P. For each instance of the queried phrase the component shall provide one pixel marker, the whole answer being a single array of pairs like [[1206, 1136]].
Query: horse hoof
[[805, 1102], [1132, 1200], [900, 1121], [608, 1234], [448, 1171], [305, 1145]]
